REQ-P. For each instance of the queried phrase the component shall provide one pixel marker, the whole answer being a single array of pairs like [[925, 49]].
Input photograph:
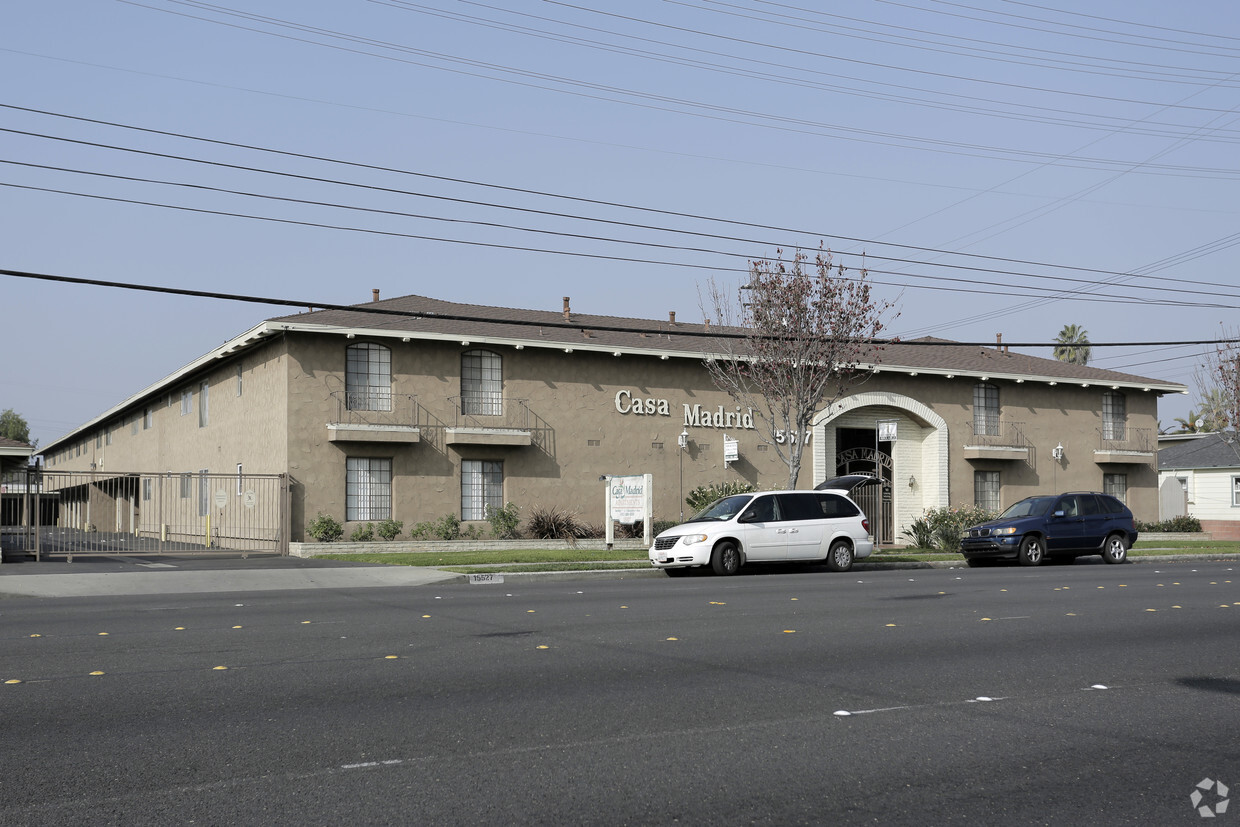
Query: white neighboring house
[[1201, 477]]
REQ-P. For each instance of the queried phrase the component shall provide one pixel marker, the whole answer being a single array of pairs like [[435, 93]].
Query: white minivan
[[770, 526]]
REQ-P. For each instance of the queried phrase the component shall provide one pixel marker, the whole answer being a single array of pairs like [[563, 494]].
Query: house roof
[[1220, 450], [423, 318]]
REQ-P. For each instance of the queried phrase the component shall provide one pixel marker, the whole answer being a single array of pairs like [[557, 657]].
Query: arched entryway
[[913, 465]]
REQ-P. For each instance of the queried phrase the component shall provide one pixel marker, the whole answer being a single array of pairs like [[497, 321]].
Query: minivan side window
[[761, 510], [799, 507], [833, 505]]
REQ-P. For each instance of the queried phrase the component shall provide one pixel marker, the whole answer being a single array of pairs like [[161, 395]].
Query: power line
[[526, 191], [552, 323]]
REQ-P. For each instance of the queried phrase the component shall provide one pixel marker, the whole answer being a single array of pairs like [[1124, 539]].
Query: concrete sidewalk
[[88, 584]]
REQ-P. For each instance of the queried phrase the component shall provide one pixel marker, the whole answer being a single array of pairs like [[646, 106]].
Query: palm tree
[[1072, 345]]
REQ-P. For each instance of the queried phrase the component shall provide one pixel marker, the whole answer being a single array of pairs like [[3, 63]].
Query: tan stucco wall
[[279, 424]]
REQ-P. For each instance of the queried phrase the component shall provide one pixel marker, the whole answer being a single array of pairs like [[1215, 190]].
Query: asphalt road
[[972, 697]]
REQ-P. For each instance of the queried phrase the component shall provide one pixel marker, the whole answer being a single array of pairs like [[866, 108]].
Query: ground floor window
[[482, 484], [986, 489], [368, 489], [1235, 491], [1116, 485]]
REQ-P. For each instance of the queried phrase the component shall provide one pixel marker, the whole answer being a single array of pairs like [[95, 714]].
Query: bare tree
[[804, 340], [1218, 387]]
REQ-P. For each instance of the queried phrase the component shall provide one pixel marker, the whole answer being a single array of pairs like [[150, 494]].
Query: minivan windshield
[[1027, 508], [721, 510]]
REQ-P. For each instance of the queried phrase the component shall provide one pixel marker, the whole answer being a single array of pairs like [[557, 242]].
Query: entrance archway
[[917, 477]]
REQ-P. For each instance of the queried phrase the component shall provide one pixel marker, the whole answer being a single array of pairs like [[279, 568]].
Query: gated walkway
[[65, 513]]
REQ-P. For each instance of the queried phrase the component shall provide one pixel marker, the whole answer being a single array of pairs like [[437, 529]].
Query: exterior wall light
[[1057, 452]]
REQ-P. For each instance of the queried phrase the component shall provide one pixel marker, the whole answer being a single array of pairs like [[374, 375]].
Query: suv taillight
[[865, 524]]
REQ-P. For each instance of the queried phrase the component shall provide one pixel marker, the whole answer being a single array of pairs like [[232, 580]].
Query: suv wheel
[[1114, 550], [1031, 551]]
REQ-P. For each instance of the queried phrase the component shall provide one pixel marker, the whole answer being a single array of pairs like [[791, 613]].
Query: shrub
[[555, 524], [422, 531], [940, 528], [447, 527], [704, 495], [505, 522], [390, 529], [325, 528], [1183, 523], [363, 533]]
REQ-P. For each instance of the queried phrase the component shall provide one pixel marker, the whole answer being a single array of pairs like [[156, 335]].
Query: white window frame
[[482, 383], [1111, 484], [1114, 416], [368, 377], [148, 418], [187, 401], [203, 416], [985, 414], [983, 479], [368, 489], [482, 485], [1235, 490]]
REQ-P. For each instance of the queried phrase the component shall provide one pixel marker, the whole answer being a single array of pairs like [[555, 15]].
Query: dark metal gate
[[64, 513], [873, 499]]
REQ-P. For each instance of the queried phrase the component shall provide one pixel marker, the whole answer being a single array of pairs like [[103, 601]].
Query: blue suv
[[1063, 526]]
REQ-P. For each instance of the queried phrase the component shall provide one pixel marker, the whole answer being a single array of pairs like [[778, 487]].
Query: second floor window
[[368, 377], [482, 383], [1114, 415], [985, 410]]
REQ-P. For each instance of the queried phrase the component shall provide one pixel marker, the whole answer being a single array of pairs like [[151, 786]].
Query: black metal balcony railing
[[995, 432], [488, 411], [376, 407], [1119, 437], [502, 413]]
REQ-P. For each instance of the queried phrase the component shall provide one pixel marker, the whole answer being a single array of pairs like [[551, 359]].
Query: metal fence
[[60, 514]]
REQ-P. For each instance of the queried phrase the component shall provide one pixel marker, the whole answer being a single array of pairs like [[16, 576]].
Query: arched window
[[482, 383], [985, 410], [368, 377], [1114, 415]]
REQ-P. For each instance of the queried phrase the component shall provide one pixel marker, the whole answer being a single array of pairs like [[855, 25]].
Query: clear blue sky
[[1099, 135]]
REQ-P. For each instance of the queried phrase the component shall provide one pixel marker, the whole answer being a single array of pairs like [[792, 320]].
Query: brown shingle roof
[[422, 315]]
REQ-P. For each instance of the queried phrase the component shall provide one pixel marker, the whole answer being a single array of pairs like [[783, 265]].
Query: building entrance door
[[874, 500]]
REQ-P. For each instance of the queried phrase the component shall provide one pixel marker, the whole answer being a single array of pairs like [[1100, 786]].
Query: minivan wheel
[[726, 558], [1031, 551], [840, 557], [1114, 550]]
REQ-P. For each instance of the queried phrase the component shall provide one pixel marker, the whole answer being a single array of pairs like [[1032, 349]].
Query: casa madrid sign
[[695, 415]]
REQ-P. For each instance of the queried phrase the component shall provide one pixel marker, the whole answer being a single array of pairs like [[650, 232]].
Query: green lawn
[[515, 560]]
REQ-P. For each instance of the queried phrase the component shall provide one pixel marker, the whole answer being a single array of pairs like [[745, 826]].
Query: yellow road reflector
[[103, 634], [673, 638], [219, 668], [390, 657], [236, 627], [543, 646], [12, 681], [790, 631], [36, 635], [96, 673], [425, 615]]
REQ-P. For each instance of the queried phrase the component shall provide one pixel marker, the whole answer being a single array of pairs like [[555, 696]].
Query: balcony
[[375, 415], [996, 438], [495, 421], [1117, 443]]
